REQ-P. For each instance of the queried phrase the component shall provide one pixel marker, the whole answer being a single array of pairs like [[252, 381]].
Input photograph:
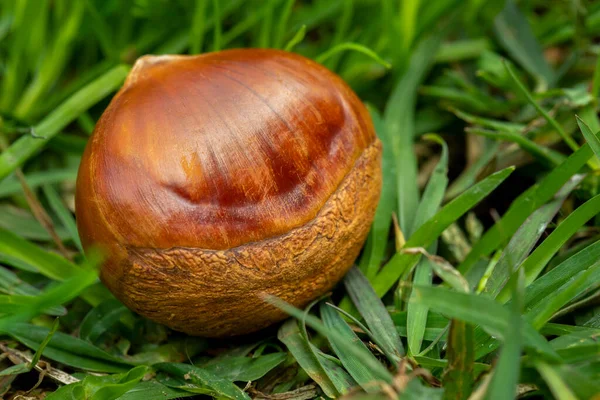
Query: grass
[[479, 279]]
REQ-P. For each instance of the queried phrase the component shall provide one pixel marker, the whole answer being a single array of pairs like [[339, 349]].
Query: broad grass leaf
[[48, 264], [375, 314], [67, 349], [153, 390], [290, 335], [355, 367], [245, 369], [108, 387], [198, 380], [100, 319]]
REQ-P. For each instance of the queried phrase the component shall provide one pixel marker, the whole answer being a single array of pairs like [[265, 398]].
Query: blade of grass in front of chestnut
[[26, 146], [431, 230], [357, 369], [590, 137], [375, 314], [524, 205], [289, 334], [341, 341]]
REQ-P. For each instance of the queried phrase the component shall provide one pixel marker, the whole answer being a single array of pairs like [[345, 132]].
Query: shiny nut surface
[[212, 179]]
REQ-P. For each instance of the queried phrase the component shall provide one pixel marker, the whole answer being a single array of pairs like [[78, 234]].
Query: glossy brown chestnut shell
[[212, 180]]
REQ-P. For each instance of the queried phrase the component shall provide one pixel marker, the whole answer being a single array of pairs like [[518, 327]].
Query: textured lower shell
[[220, 292]]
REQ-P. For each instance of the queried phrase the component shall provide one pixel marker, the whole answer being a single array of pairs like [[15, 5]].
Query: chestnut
[[212, 180]]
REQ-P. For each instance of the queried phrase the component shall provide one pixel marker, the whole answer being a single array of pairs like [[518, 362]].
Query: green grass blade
[[417, 313], [548, 284], [431, 230], [282, 25], [478, 310], [297, 38], [541, 153], [579, 284], [245, 369], [361, 374], [535, 263], [400, 126], [206, 382], [198, 27], [64, 215], [67, 350], [553, 379], [551, 121], [100, 319], [374, 313], [515, 34], [458, 378], [218, 26], [377, 242], [433, 194], [354, 47], [520, 245], [524, 205], [12, 186], [48, 264], [26, 146], [506, 374], [590, 137], [153, 390], [290, 335], [342, 342]]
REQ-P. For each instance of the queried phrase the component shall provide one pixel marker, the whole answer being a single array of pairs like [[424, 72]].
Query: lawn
[[480, 276]]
